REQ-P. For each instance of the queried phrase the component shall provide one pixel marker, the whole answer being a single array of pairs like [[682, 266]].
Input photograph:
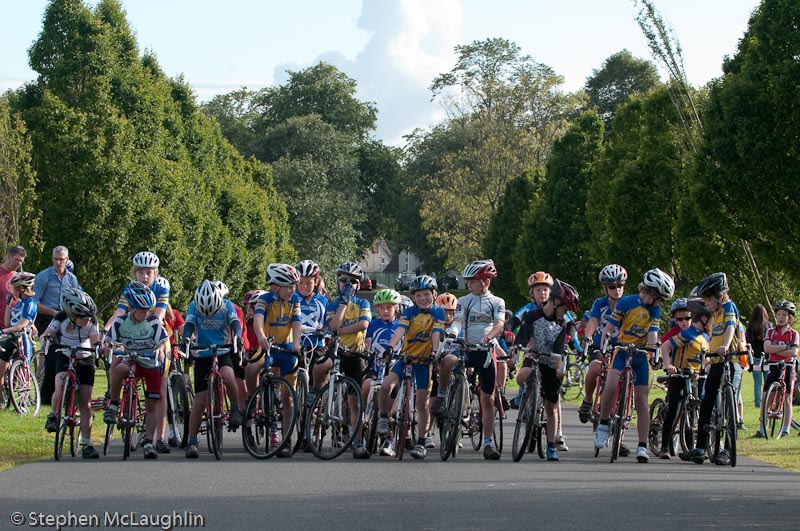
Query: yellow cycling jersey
[[634, 320], [357, 310], [727, 316], [278, 316], [687, 347], [419, 326]]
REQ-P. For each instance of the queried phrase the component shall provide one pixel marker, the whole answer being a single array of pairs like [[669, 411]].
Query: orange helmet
[[540, 277], [446, 301]]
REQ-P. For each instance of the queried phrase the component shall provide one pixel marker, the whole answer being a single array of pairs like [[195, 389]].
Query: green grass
[[24, 439]]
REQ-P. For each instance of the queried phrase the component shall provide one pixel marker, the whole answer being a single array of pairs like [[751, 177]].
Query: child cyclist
[[481, 316], [140, 331], [213, 321], [636, 317], [780, 344], [682, 350], [546, 329], [420, 329], [277, 316], [723, 332], [312, 304], [348, 316], [17, 318], [144, 271], [75, 326]]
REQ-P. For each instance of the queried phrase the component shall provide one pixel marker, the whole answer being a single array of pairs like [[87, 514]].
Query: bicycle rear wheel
[[24, 389], [572, 386], [522, 429], [216, 414], [730, 424], [108, 437], [450, 430], [497, 429], [658, 411], [37, 366], [772, 415], [329, 430]]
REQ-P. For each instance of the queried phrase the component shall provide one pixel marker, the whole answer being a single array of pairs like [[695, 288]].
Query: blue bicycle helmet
[[423, 282], [679, 304], [139, 296]]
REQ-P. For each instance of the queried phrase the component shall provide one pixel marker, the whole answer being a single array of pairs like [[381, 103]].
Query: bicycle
[[179, 398], [67, 414], [476, 408], [774, 403], [371, 407], [132, 412], [572, 386], [724, 418], [405, 414], [623, 399], [531, 425], [302, 386], [685, 425], [218, 411], [268, 426], [456, 402], [22, 388], [329, 424]]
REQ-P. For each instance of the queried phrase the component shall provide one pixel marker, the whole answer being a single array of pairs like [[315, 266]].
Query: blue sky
[[392, 48]]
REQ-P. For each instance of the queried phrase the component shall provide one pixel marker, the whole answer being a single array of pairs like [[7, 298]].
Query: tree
[[236, 116], [501, 240], [555, 236], [620, 76], [18, 209]]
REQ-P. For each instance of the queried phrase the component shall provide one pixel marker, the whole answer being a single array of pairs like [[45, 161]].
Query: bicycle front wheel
[[270, 419], [67, 391], [450, 431], [301, 392], [402, 434], [619, 418], [475, 421], [371, 429], [686, 427], [772, 416], [329, 429], [24, 389], [129, 406], [216, 414], [497, 428], [522, 429], [179, 408], [730, 424]]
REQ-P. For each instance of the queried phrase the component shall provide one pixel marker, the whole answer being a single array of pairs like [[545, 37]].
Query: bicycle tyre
[[61, 422], [537, 416], [129, 414], [371, 440], [541, 432], [730, 424], [772, 416], [24, 389], [108, 437], [619, 418], [522, 429], [658, 410], [301, 394], [572, 386], [37, 367], [476, 421], [264, 416], [404, 421], [687, 424], [215, 415], [328, 428], [497, 428], [450, 431], [179, 409]]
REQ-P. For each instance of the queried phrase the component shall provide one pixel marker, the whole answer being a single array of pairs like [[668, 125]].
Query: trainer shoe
[[361, 452], [50, 425], [429, 442], [601, 436], [641, 454], [561, 444], [623, 450], [236, 419], [388, 449], [286, 451], [191, 452], [150, 451], [723, 458], [173, 441], [760, 435], [491, 453], [698, 455], [585, 412], [783, 434], [162, 447], [437, 406], [419, 451], [274, 441], [663, 454], [552, 454], [110, 414], [383, 425], [90, 453]]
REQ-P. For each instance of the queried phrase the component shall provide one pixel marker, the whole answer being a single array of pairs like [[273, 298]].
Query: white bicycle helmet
[[163, 282], [23, 278], [613, 274], [350, 268], [479, 270], [659, 281], [208, 298], [145, 259], [307, 268], [223, 289], [77, 304], [282, 275]]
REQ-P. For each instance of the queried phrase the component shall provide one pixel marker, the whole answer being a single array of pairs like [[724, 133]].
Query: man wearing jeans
[[47, 287]]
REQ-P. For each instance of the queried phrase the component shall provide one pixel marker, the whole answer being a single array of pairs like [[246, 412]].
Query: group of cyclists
[[295, 311]]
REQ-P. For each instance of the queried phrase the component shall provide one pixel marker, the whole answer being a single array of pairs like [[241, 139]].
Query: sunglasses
[[351, 281], [683, 319], [615, 286]]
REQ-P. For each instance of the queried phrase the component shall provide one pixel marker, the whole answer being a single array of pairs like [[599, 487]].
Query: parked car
[[403, 280], [446, 281], [366, 283]]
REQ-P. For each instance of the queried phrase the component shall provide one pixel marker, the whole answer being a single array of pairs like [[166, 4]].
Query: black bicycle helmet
[[786, 305], [712, 285], [697, 307]]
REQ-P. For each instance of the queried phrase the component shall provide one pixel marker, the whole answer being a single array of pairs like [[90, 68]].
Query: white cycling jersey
[[476, 315]]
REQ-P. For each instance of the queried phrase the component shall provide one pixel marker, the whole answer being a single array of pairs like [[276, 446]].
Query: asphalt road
[[578, 492]]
